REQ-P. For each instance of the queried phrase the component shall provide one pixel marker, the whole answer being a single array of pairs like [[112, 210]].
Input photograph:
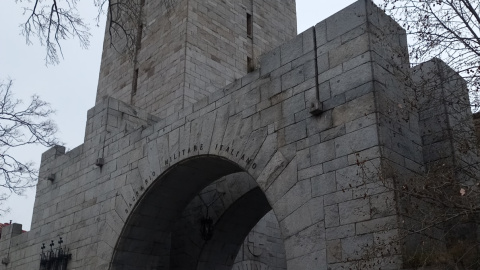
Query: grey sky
[[70, 87]]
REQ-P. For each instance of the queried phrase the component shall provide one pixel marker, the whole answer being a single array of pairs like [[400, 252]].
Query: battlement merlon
[[445, 116]]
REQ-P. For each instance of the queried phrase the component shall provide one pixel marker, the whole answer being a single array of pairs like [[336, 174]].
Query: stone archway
[[148, 239], [235, 203]]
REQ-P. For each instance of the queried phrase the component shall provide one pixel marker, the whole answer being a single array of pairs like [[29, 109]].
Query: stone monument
[[230, 142]]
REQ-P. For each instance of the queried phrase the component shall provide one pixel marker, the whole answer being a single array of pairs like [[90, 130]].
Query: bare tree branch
[[53, 22], [444, 29], [21, 124]]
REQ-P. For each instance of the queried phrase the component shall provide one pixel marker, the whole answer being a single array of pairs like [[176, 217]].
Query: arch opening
[[164, 230]]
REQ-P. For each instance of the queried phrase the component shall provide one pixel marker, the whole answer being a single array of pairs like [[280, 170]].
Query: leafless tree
[[21, 125], [444, 29], [53, 22]]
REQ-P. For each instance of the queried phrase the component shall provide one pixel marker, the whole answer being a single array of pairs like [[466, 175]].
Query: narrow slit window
[[135, 82], [250, 66], [138, 41], [249, 25]]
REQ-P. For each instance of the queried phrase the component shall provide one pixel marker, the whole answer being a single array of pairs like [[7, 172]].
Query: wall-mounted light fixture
[[207, 228], [206, 222]]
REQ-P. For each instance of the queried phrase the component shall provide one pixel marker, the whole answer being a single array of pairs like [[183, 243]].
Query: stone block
[[383, 204], [305, 242], [335, 164], [309, 69], [283, 182], [351, 79], [323, 184], [308, 39], [307, 85], [316, 207], [359, 123], [297, 196], [291, 50], [293, 78], [332, 217], [322, 63], [310, 172], [383, 224], [296, 222], [334, 251], [294, 104], [357, 247], [350, 177], [303, 157], [354, 211], [270, 115], [322, 152], [311, 261], [334, 101], [350, 50], [349, 143], [357, 61], [340, 232], [345, 20], [337, 197], [321, 33], [329, 74]]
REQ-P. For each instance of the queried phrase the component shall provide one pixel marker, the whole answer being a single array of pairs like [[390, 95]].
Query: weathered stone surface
[[202, 138], [323, 184], [357, 246]]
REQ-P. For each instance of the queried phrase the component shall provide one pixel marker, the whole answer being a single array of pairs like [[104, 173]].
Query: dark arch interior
[[146, 241], [232, 228]]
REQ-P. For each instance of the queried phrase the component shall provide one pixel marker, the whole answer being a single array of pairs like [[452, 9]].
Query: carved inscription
[[185, 152], [219, 147]]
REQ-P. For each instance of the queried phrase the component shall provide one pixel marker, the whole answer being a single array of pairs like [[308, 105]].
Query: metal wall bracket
[[316, 107], [51, 177], [99, 162]]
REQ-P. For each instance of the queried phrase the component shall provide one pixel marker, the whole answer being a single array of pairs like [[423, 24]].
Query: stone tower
[[192, 48]]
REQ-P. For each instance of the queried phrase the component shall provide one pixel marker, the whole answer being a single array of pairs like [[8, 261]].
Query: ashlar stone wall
[[327, 177]]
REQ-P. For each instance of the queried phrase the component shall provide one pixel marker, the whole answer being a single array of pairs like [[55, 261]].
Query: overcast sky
[[70, 86]]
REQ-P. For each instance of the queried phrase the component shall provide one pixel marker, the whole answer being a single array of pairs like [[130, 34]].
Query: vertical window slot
[[135, 82], [249, 25]]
